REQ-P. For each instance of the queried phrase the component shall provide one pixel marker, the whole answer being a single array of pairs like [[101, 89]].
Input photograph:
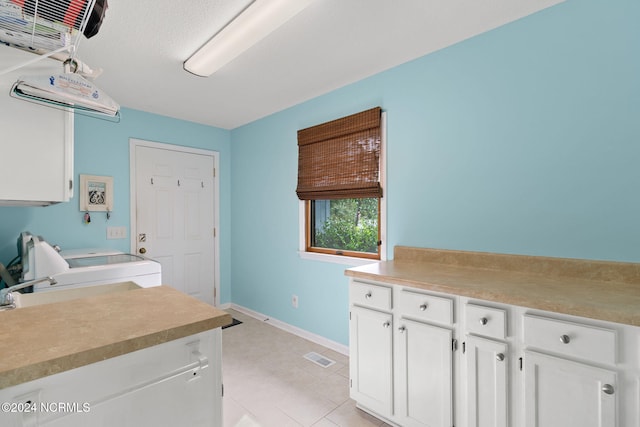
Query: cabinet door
[[370, 344], [487, 379], [424, 374], [171, 401], [563, 393], [176, 383], [36, 142]]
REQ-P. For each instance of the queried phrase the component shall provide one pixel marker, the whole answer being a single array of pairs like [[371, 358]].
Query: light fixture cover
[[256, 22]]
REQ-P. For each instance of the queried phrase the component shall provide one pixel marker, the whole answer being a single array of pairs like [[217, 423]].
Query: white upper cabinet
[[36, 161]]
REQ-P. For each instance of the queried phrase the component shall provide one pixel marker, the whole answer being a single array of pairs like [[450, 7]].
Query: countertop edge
[[537, 298], [21, 373]]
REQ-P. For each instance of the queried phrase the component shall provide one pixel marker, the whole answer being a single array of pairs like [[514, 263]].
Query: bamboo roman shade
[[340, 159]]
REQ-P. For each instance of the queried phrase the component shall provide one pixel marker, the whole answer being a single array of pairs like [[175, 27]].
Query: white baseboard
[[318, 339]]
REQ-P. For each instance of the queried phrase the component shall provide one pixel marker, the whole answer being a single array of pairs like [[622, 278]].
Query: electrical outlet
[[116, 232], [294, 301]]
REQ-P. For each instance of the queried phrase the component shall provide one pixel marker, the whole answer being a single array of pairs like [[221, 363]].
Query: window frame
[[349, 257], [338, 252]]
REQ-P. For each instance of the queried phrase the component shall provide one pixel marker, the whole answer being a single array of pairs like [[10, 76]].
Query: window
[[344, 227], [339, 171]]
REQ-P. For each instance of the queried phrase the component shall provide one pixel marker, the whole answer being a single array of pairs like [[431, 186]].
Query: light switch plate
[[116, 232]]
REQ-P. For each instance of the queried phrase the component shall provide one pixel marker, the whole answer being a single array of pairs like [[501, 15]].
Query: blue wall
[[102, 148], [523, 140]]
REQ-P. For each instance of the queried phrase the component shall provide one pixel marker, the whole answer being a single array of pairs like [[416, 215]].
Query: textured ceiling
[[142, 44]]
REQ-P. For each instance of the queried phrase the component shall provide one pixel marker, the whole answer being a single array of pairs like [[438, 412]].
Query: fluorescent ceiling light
[[252, 25]]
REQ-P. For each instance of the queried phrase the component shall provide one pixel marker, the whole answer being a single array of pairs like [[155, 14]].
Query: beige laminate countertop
[[576, 293], [51, 338]]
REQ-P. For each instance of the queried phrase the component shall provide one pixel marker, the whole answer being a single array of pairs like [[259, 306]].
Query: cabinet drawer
[[570, 339], [426, 307], [486, 321], [368, 295]]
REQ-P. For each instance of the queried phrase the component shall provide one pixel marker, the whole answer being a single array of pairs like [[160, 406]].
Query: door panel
[[192, 263], [425, 374], [371, 358], [487, 379], [564, 393]]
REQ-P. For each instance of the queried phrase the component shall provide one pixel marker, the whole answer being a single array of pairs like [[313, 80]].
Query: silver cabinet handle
[[368, 295], [386, 324], [608, 389], [565, 339], [423, 307], [402, 329], [484, 321], [500, 357]]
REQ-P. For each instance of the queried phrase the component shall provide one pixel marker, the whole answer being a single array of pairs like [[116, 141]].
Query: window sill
[[336, 259]]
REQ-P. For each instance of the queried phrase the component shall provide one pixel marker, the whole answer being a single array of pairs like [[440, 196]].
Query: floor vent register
[[319, 359]]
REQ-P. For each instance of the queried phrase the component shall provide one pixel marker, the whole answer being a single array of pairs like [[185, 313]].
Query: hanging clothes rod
[[36, 59]]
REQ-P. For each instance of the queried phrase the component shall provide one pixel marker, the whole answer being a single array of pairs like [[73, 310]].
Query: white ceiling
[[143, 43]]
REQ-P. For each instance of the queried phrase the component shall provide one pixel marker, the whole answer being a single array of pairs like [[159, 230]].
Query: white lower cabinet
[[424, 373], [371, 359], [177, 383], [401, 358], [518, 367], [487, 382], [565, 393], [570, 373]]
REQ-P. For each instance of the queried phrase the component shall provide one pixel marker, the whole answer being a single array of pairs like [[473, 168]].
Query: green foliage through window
[[345, 224]]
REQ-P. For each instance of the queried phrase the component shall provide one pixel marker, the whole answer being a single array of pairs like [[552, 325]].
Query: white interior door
[[175, 216]]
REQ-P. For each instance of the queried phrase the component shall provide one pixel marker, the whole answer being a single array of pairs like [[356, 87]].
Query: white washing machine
[[83, 267]]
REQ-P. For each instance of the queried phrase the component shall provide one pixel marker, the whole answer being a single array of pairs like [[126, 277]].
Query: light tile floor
[[268, 382]]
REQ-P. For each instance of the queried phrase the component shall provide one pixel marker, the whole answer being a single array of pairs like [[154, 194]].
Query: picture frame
[[96, 193]]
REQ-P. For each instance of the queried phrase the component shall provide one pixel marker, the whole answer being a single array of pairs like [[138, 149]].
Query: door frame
[[133, 144]]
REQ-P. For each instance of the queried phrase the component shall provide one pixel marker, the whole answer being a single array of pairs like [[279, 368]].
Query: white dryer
[[83, 267]]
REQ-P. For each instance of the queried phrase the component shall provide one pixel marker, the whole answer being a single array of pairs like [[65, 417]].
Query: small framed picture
[[96, 193]]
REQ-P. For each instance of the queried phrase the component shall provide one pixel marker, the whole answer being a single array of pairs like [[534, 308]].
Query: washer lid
[[99, 260]]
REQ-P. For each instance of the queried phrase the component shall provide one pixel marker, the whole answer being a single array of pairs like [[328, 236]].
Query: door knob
[[142, 250], [608, 389]]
